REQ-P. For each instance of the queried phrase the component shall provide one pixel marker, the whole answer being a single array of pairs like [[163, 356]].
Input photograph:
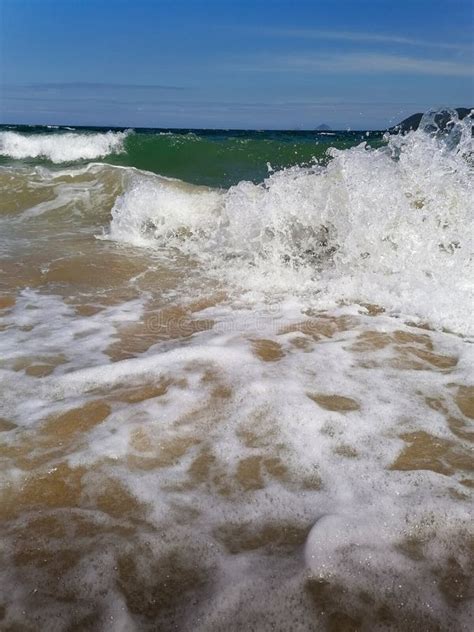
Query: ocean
[[236, 379]]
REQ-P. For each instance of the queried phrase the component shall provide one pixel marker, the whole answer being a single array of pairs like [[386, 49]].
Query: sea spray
[[336, 231]]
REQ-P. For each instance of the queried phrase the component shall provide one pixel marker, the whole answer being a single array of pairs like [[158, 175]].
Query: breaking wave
[[63, 147], [385, 225]]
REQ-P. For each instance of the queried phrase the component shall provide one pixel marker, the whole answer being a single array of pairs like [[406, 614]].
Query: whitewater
[[236, 379]]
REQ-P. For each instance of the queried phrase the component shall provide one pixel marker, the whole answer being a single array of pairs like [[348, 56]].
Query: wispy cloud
[[88, 94], [360, 63], [274, 114], [363, 38], [85, 85]]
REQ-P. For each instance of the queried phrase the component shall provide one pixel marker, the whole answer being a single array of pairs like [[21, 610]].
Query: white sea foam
[[386, 226], [360, 512], [66, 147], [163, 212]]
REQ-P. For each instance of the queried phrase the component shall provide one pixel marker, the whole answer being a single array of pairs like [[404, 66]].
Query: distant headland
[[413, 121]]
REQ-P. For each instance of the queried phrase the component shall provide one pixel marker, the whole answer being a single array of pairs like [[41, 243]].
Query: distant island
[[323, 128], [413, 121]]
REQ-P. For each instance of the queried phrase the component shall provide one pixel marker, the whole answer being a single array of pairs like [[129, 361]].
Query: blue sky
[[363, 64]]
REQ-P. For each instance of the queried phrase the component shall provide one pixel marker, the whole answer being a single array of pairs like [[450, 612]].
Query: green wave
[[217, 159], [211, 157]]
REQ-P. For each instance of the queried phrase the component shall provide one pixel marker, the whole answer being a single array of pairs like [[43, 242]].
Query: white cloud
[[360, 63], [356, 36]]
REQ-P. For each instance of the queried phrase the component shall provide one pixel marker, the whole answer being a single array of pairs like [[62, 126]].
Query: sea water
[[236, 380]]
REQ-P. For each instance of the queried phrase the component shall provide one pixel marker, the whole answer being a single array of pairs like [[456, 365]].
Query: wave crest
[[66, 147], [385, 226]]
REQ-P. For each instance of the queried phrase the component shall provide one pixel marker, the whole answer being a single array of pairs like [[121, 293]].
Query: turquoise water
[[211, 157]]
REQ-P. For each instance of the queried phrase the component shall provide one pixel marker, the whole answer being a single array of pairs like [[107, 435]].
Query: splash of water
[[383, 225]]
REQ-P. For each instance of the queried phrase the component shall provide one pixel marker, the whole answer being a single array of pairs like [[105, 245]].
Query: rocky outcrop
[[413, 121]]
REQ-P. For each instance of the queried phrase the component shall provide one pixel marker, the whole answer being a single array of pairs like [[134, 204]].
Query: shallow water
[[216, 414]]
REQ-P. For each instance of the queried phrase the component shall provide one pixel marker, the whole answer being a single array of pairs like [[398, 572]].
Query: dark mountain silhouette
[[323, 128], [413, 121]]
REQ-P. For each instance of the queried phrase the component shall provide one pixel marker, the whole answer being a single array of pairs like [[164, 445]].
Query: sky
[[252, 64]]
